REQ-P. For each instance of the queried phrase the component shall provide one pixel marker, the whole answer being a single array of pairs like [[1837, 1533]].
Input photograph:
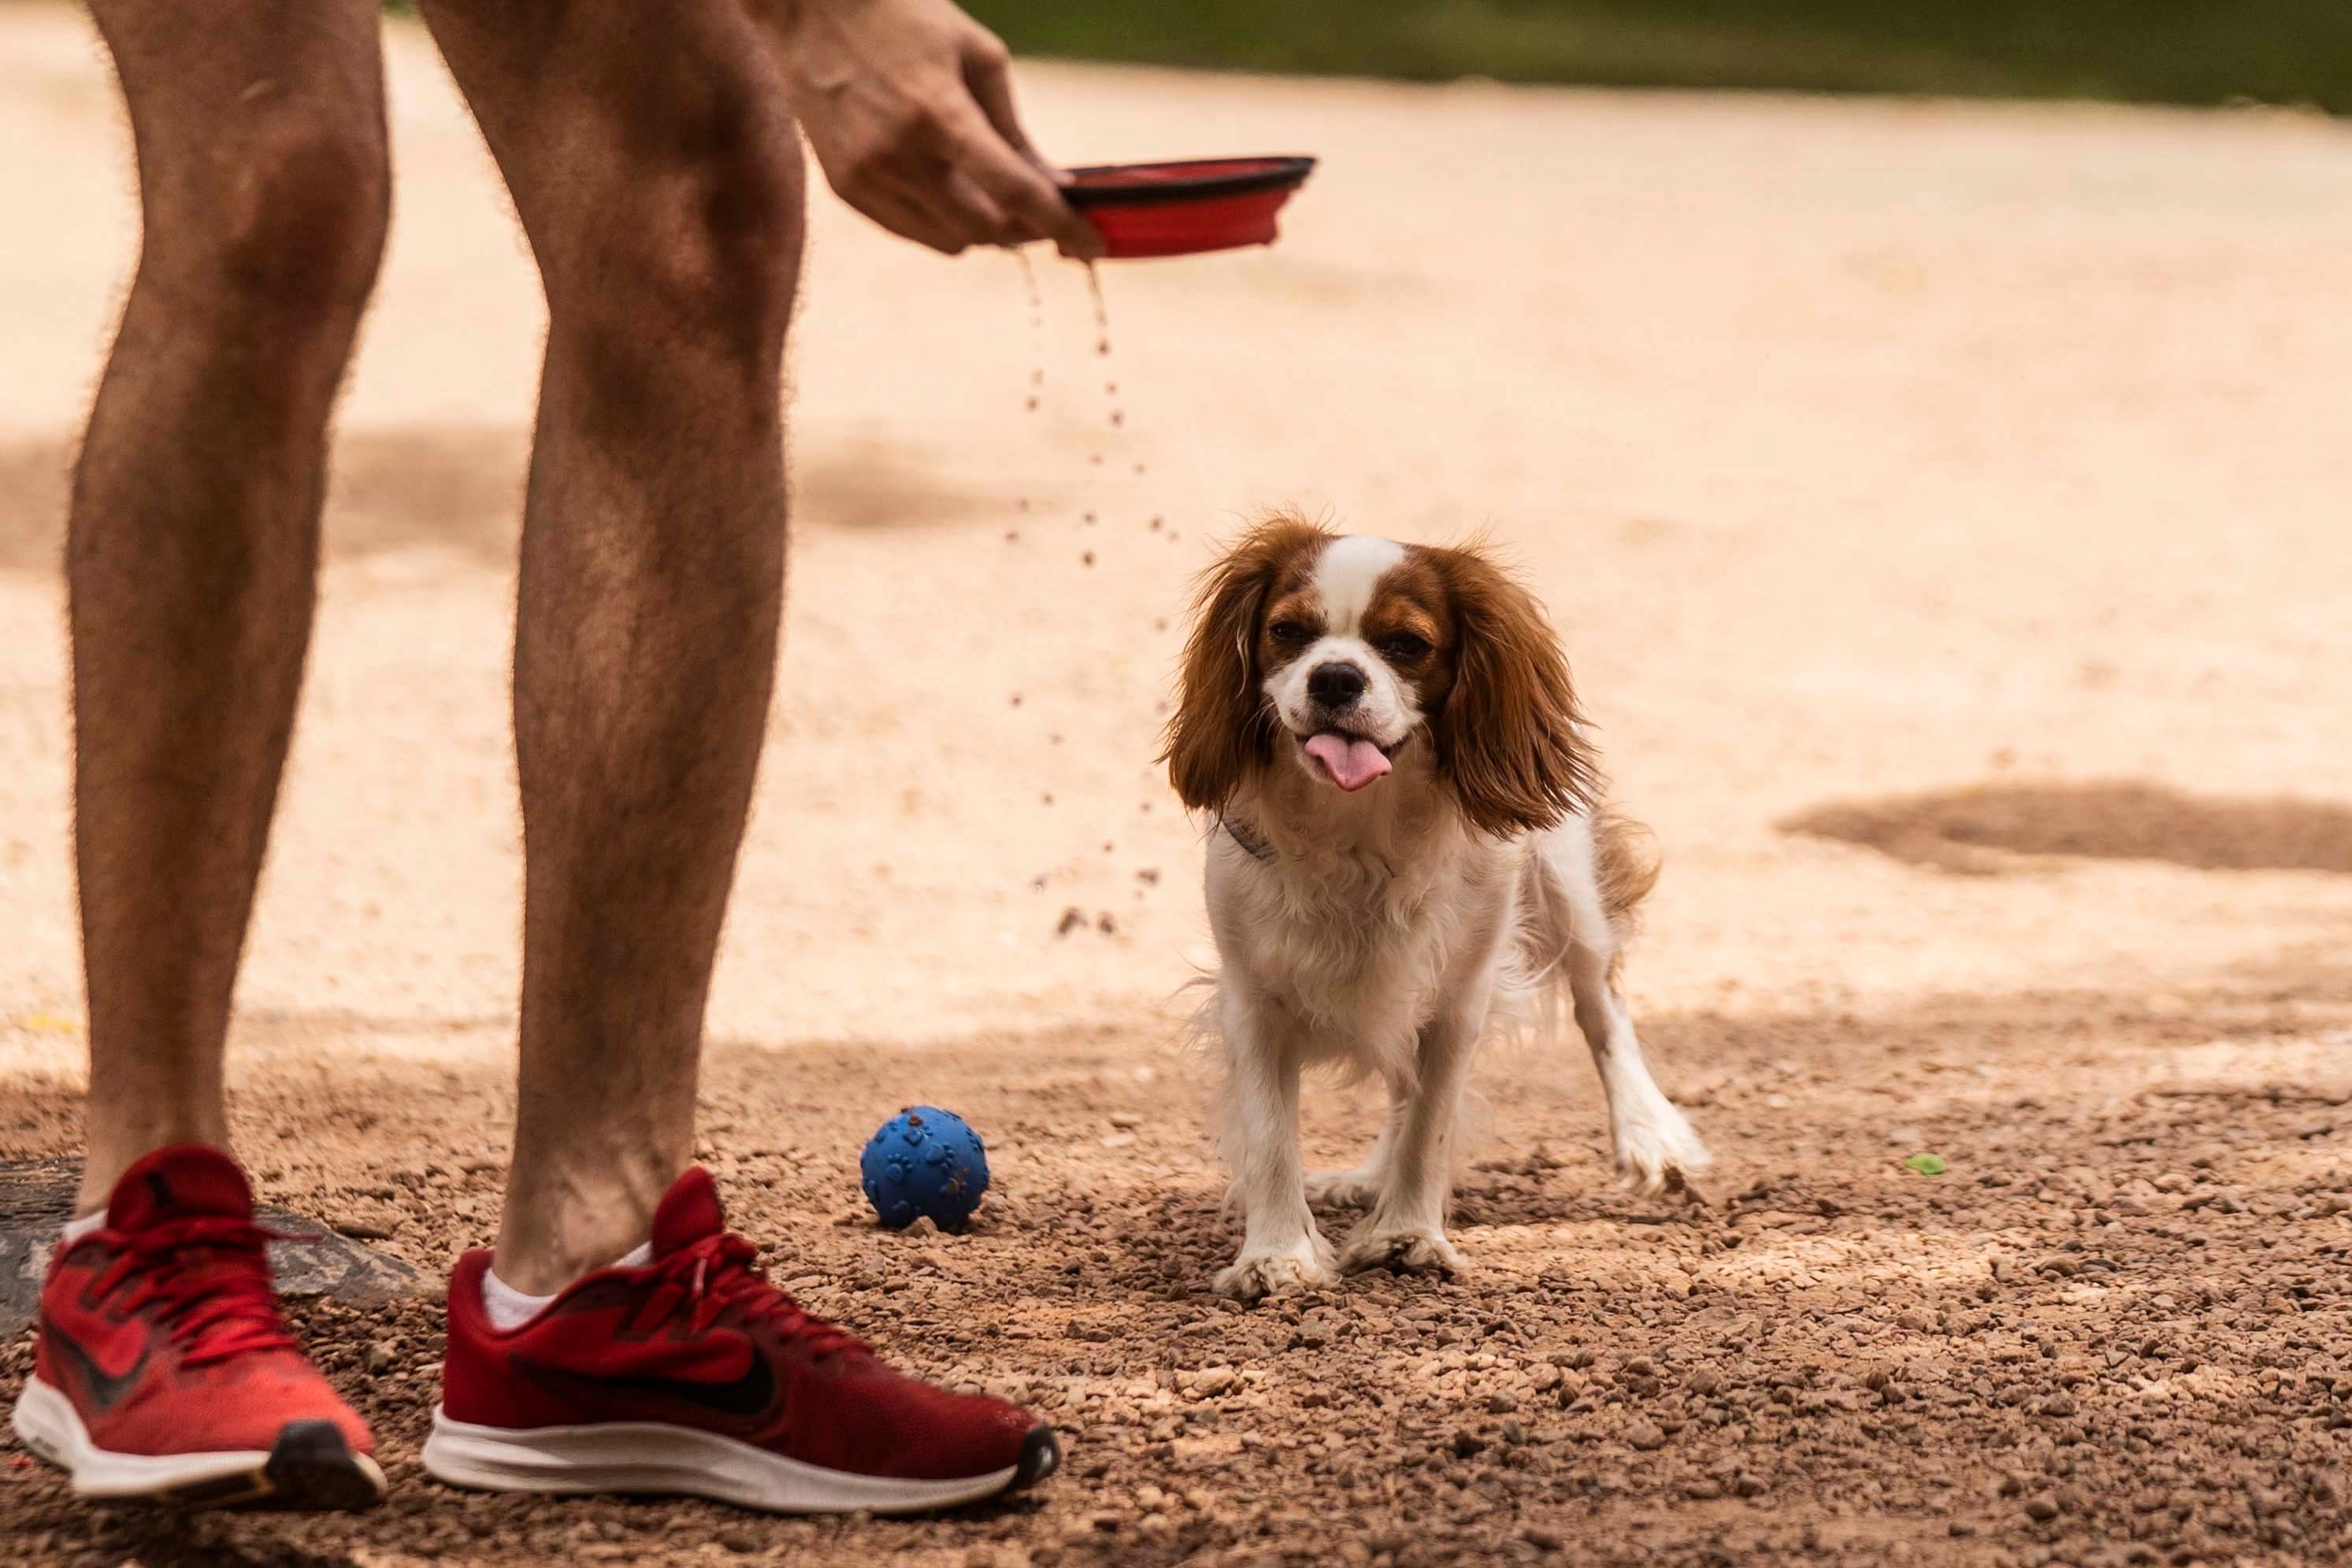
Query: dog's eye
[[1289, 632], [1404, 646]]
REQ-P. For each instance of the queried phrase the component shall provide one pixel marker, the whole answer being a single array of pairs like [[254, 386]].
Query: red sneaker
[[694, 1375], [162, 1369]]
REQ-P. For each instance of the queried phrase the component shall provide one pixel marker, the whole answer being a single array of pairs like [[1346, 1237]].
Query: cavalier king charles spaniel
[[1409, 838]]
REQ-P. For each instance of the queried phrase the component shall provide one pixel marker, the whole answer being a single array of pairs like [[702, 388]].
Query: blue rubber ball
[[924, 1161]]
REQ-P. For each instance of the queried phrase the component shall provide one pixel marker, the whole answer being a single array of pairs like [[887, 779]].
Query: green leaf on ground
[[1927, 1165]]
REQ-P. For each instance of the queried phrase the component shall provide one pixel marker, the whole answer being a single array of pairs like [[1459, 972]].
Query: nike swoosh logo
[[105, 1392], [742, 1396]]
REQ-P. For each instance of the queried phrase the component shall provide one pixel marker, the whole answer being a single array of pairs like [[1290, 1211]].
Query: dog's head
[[1333, 654]]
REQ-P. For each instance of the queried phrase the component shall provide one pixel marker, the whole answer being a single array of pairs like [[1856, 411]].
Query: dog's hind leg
[[1654, 1143], [1654, 1146]]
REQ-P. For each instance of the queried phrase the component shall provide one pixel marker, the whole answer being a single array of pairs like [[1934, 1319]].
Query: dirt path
[[1904, 477]]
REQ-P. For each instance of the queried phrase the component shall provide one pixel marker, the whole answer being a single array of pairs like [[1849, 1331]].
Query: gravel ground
[[2114, 1331]]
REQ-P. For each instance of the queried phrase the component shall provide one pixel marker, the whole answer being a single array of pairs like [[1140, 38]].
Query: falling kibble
[[1089, 558]]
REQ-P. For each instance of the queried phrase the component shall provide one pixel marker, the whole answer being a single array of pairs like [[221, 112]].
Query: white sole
[[653, 1457], [317, 1470]]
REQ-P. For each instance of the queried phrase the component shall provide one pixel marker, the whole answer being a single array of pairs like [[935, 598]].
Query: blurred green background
[[2293, 52], [2178, 51]]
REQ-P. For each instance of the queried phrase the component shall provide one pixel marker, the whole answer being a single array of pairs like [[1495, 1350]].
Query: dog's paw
[[1401, 1252], [1344, 1189], [1256, 1275], [1657, 1149]]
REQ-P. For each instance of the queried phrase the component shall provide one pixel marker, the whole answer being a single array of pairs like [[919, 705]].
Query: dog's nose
[[1335, 684]]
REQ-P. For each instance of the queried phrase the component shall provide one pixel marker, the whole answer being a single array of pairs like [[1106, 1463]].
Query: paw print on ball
[[924, 1161]]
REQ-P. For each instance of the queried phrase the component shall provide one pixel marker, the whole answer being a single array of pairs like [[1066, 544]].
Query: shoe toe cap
[[923, 1433], [247, 1406]]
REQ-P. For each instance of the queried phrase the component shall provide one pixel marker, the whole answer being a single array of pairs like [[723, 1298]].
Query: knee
[[286, 231], [694, 248]]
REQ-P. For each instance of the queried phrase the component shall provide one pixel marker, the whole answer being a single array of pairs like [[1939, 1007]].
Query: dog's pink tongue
[[1350, 762]]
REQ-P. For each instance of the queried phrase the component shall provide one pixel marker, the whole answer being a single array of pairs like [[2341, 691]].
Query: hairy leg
[[654, 169], [193, 540]]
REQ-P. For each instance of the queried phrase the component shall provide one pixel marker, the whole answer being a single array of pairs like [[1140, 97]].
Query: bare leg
[[1280, 1246], [194, 536], [656, 175]]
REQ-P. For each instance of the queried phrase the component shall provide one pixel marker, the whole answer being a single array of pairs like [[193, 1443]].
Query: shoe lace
[[210, 1275], [718, 1272]]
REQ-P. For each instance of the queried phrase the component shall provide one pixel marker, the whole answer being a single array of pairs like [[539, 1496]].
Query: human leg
[[162, 1367], [658, 179], [192, 538], [655, 170]]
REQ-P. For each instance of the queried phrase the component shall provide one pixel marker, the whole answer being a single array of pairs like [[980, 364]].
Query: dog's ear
[[1222, 730], [1509, 736]]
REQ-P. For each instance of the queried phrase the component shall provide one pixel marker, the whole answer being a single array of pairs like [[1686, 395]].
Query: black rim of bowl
[[1250, 174]]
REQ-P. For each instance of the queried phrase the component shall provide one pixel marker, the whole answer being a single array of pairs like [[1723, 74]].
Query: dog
[[1408, 839]]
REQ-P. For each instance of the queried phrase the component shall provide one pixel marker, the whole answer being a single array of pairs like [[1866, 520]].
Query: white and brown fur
[[1381, 930]]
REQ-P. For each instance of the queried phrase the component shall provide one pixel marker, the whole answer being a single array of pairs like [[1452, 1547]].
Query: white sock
[[77, 1229], [509, 1309]]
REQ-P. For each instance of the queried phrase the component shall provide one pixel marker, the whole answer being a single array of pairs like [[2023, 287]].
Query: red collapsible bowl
[[1184, 209]]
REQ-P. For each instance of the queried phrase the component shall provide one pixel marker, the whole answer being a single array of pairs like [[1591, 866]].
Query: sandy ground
[[1946, 505]]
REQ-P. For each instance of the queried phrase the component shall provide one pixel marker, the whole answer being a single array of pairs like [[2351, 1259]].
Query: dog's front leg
[[1406, 1229], [1360, 1186], [1280, 1246]]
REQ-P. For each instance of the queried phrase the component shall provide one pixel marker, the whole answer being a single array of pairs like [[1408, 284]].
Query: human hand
[[908, 106]]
